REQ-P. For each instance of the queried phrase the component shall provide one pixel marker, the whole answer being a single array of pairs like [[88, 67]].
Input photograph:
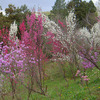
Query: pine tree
[[59, 4], [92, 7], [85, 12], [59, 10]]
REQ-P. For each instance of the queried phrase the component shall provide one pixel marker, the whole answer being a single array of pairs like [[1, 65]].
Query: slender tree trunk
[[13, 89], [39, 68]]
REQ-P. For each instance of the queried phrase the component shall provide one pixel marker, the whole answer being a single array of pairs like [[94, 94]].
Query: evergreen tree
[[83, 11], [92, 6], [13, 13], [0, 8], [10, 10], [59, 4], [59, 10]]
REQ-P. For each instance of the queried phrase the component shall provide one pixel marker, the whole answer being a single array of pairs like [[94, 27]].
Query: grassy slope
[[58, 88]]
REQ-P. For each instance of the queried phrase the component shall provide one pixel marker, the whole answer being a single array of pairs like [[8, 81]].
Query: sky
[[45, 5]]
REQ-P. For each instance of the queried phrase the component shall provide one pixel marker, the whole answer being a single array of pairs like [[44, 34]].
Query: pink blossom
[[78, 71], [86, 79]]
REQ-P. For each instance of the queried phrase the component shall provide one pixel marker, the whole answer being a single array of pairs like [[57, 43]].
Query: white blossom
[[95, 32], [84, 32], [70, 21], [13, 33], [13, 30]]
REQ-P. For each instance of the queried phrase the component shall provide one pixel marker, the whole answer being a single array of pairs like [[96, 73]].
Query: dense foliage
[[85, 12], [13, 13]]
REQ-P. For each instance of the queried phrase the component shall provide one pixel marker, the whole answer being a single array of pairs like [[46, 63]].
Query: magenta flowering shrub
[[4, 34], [90, 59], [11, 61], [32, 38]]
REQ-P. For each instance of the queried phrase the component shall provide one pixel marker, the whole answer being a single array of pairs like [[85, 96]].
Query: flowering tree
[[89, 47], [75, 41], [32, 39], [62, 40], [25, 57], [11, 57], [11, 63]]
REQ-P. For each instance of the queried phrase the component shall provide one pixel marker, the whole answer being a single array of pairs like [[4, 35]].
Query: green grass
[[46, 13], [59, 89]]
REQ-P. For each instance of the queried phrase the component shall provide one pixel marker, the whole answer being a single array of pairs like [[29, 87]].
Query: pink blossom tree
[[31, 37]]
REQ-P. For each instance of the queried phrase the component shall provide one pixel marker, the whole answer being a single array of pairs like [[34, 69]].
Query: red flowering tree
[[31, 37]]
